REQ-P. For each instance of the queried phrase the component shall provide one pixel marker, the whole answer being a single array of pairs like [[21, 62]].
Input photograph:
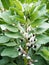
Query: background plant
[[24, 32]]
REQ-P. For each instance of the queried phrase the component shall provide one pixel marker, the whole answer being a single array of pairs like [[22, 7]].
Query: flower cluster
[[30, 43]]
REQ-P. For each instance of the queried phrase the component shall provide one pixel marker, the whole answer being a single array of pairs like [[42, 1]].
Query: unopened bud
[[24, 55], [29, 29], [28, 57], [28, 44], [36, 61], [20, 53], [32, 39], [26, 35], [13, 24]]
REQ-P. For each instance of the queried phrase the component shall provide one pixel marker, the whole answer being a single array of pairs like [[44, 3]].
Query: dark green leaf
[[6, 4]]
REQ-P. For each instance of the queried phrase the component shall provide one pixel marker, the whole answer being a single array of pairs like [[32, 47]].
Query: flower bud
[[28, 44], [24, 55], [28, 57], [26, 35], [29, 29], [20, 53], [32, 39]]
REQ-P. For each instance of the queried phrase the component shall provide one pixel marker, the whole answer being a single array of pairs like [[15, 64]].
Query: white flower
[[26, 35], [30, 35], [28, 44], [33, 46], [29, 29], [32, 39], [21, 31], [20, 53], [3, 27], [31, 5], [30, 63], [13, 24], [24, 55], [36, 60], [24, 17], [28, 57], [20, 47]]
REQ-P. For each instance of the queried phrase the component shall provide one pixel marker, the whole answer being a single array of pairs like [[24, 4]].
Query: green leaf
[[34, 15], [4, 60], [42, 9], [39, 59], [11, 28], [44, 52], [10, 52], [42, 39], [17, 11], [13, 35], [6, 4], [20, 62], [21, 20], [38, 12], [42, 28], [21, 28], [16, 3], [10, 44], [47, 32], [1, 6], [38, 22], [4, 39], [2, 21], [12, 63], [45, 25], [6, 17]]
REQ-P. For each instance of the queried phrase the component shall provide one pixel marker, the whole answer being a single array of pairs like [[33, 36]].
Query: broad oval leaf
[[10, 44], [4, 39], [4, 60], [6, 17], [11, 28], [44, 52], [13, 35], [42, 28], [38, 22], [10, 52], [42, 39]]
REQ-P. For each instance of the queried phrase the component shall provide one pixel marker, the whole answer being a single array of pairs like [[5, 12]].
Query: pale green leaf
[[42, 39], [11, 28], [10, 44], [6, 17], [38, 22], [4, 39], [44, 52], [13, 35], [10, 52]]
